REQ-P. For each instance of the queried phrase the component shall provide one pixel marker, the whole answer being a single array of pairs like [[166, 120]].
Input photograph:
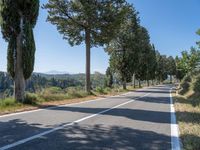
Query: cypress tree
[[123, 48], [18, 18]]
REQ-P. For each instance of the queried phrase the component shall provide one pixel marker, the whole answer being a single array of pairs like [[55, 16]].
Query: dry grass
[[36, 101], [188, 117]]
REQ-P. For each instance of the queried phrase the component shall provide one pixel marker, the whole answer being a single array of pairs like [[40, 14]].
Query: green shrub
[[100, 90], [196, 85], [107, 90], [187, 78], [185, 84], [8, 102], [53, 90], [31, 99], [52, 97], [75, 93], [52, 93], [185, 87]]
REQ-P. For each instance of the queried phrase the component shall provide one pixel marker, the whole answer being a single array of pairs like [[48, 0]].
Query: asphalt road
[[137, 120]]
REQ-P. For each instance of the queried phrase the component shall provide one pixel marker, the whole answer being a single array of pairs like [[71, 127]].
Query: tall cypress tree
[[144, 47], [122, 48], [18, 18]]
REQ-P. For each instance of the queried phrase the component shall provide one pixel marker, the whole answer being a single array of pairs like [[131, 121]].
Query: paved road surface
[[138, 120]]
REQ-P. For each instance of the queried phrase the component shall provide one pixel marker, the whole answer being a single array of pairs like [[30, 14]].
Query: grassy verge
[[188, 117], [55, 96]]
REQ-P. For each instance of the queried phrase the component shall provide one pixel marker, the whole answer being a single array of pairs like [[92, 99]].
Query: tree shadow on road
[[152, 91], [100, 137], [150, 99], [134, 114], [17, 129]]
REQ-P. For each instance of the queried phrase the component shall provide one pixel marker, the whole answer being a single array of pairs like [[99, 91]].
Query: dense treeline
[[132, 56]]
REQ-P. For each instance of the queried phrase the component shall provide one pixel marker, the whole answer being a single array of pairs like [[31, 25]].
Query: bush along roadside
[[55, 96], [187, 105]]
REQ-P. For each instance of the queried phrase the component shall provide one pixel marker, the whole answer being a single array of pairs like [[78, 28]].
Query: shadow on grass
[[190, 141], [188, 117], [82, 137], [185, 116], [193, 100]]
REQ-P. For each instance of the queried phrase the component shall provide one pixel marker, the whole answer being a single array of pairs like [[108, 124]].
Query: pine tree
[[90, 21], [18, 18]]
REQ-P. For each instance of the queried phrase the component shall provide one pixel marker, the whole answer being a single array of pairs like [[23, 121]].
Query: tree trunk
[[170, 78], [87, 42], [152, 82], [134, 81], [124, 85], [139, 83], [148, 83], [19, 81]]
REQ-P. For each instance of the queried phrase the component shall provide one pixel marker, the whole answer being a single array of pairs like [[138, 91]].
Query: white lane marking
[[175, 140], [63, 126]]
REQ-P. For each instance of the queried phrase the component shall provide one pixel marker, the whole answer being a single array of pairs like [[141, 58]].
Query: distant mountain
[[54, 72]]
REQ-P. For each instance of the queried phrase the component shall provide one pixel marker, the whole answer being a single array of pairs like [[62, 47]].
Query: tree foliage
[[93, 22], [109, 77], [73, 18], [123, 47], [11, 14], [188, 62], [18, 18]]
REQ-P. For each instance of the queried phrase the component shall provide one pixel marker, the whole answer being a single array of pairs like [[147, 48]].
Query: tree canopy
[[93, 22], [18, 18]]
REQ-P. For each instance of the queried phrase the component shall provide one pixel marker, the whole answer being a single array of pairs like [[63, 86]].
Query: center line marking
[[65, 125]]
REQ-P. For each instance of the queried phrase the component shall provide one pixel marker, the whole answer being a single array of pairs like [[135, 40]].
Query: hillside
[[39, 81]]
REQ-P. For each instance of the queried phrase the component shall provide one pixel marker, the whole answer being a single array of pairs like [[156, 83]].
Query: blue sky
[[171, 25]]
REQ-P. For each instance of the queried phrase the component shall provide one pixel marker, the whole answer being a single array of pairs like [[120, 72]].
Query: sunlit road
[[137, 120]]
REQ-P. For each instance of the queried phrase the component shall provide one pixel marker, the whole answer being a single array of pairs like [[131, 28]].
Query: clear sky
[[171, 23]]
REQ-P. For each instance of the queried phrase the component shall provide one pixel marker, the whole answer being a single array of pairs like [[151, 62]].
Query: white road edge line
[[65, 125], [40, 109], [175, 140]]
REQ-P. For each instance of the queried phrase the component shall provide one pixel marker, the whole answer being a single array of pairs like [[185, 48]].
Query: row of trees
[[113, 24], [132, 56], [93, 22]]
